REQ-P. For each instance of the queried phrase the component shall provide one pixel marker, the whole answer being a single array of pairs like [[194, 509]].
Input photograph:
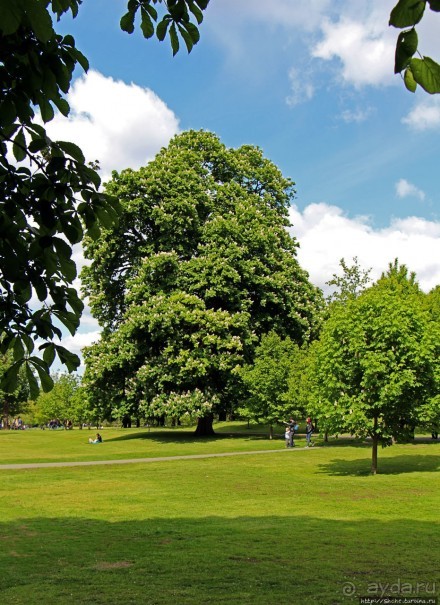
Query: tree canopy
[[200, 266], [377, 362], [49, 195], [266, 380]]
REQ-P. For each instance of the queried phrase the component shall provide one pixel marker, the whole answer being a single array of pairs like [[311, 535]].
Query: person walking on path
[[289, 434], [309, 432]]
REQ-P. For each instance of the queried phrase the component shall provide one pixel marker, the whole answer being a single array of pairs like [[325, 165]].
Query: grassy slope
[[292, 528]]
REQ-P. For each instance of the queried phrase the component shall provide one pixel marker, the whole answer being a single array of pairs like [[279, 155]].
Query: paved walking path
[[29, 465]]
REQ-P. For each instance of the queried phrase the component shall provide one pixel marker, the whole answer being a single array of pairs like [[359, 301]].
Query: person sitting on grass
[[97, 439]]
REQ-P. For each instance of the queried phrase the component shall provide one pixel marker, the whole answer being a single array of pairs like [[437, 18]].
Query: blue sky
[[310, 82]]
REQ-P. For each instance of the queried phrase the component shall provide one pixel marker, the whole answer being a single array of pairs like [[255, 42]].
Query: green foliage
[[65, 401], [424, 71], [350, 284], [13, 402], [176, 21], [376, 364], [300, 381], [267, 379], [49, 196], [198, 269]]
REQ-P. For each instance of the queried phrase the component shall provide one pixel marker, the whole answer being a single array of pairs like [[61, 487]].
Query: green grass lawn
[[304, 526], [36, 445]]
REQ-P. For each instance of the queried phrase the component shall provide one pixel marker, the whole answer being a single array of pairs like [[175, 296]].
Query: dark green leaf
[[49, 353], [104, 218], [69, 40], [71, 360], [426, 72], [405, 48], [71, 149], [43, 373], [40, 289], [186, 37], [33, 383], [68, 268], [40, 21], [202, 3], [8, 112], [50, 262], [62, 105], [407, 13], [9, 380], [196, 12], [11, 16], [147, 26], [18, 349], [434, 5], [80, 58], [193, 32], [174, 39], [38, 130], [46, 109], [23, 291], [161, 30], [19, 146], [150, 9], [9, 131], [127, 22], [68, 319], [37, 145], [62, 247], [74, 301]]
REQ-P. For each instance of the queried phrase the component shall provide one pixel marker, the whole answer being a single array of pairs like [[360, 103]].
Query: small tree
[[350, 284], [376, 364], [63, 402], [267, 380]]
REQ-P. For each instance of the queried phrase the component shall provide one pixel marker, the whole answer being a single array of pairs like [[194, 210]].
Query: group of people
[[292, 428]]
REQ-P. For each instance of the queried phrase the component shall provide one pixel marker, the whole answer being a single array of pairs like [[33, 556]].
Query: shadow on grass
[[183, 436], [212, 560], [396, 465]]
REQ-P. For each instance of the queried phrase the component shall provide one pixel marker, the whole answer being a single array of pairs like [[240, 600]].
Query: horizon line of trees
[[373, 370]]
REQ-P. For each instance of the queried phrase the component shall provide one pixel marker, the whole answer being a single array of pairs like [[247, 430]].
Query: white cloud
[[425, 115], [356, 115], [326, 235], [406, 189], [121, 125], [301, 89], [304, 14], [364, 48]]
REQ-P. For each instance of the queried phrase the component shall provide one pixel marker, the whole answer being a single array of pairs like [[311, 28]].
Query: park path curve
[[31, 465]]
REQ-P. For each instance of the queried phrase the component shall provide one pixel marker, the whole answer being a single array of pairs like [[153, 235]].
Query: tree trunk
[[374, 451], [271, 432], [326, 437], [204, 426]]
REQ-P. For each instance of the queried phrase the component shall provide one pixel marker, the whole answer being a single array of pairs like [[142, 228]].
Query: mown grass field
[[301, 526]]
